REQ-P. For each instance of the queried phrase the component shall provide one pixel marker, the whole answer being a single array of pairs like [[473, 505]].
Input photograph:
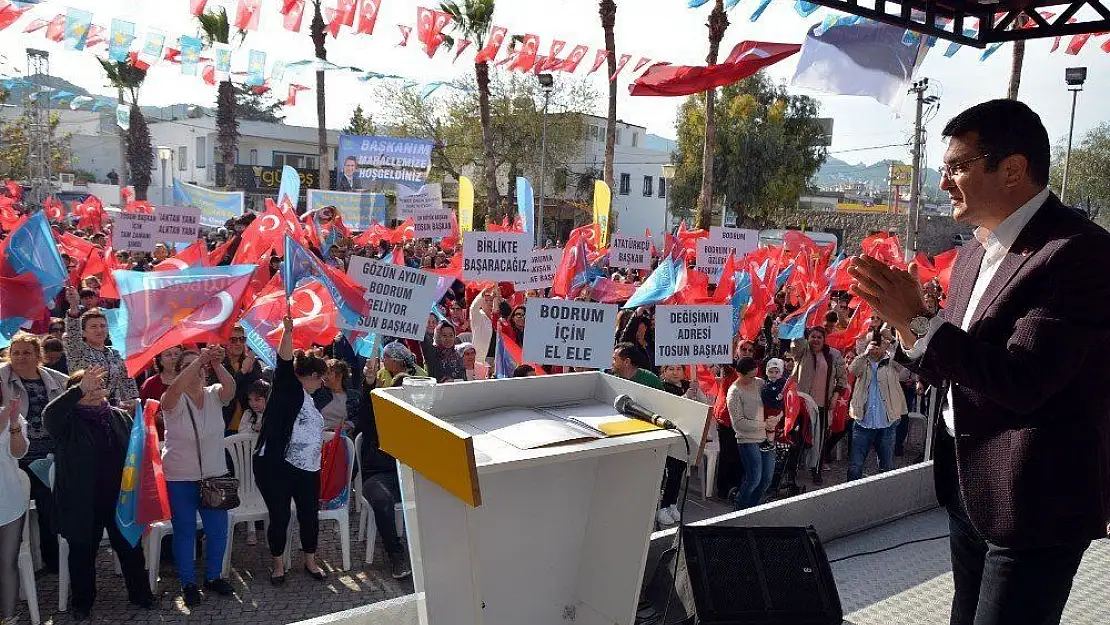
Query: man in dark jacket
[[90, 445], [1022, 447]]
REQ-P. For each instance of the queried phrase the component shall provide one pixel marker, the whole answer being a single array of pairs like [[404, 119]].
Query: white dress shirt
[[996, 245]]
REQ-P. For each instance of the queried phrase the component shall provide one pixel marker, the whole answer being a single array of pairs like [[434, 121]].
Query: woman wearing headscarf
[[443, 362], [397, 359], [475, 369], [90, 446]]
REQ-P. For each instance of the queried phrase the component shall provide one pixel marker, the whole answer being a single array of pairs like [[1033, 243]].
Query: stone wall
[[935, 233]]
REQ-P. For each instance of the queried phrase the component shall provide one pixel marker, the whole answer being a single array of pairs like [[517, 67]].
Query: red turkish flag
[[291, 96], [246, 17], [196, 7], [641, 63], [54, 208], [429, 28], [56, 30], [556, 47], [36, 24], [293, 10], [791, 405], [1075, 45], [368, 16], [196, 255], [493, 46], [570, 64], [346, 10], [463, 44], [747, 58], [599, 58], [208, 74], [9, 13], [529, 49], [620, 65], [405, 32]]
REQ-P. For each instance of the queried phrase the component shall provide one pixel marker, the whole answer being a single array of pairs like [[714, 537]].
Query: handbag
[[216, 493]]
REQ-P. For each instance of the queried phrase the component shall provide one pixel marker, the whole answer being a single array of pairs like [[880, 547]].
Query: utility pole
[[912, 211], [547, 82], [1075, 77]]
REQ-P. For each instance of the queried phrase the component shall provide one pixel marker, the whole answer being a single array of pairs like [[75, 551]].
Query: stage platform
[[912, 585]]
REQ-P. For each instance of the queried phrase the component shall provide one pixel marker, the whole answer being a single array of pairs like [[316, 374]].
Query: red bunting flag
[[405, 32], [429, 28], [291, 96], [599, 58], [526, 59], [346, 10], [368, 16], [246, 17], [747, 58], [1105, 47], [196, 7], [462, 45], [556, 47], [56, 30], [620, 65], [1076, 44], [493, 46], [641, 63], [208, 74], [36, 24], [293, 13], [9, 13], [570, 64]]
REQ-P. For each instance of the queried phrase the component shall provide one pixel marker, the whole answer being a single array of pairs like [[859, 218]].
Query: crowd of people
[[68, 404]]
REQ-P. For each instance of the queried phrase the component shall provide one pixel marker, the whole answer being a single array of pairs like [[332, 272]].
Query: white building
[[264, 148], [639, 188]]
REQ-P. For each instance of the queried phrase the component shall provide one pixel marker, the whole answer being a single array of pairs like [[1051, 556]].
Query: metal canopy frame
[[953, 20]]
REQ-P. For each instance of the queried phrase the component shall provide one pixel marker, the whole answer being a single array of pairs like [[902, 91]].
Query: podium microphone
[[626, 406]]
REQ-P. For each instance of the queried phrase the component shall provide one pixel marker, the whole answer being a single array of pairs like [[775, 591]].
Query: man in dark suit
[[346, 180], [1022, 461]]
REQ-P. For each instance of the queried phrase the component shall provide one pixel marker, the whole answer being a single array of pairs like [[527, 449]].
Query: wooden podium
[[518, 511]]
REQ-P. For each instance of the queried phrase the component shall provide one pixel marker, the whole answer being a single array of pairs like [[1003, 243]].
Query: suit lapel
[[964, 274], [1027, 244]]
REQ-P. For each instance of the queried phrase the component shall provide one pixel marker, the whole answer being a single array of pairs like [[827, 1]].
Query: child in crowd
[[251, 423], [772, 394]]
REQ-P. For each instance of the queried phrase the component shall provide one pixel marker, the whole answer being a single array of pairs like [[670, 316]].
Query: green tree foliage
[[255, 107], [360, 124], [216, 29], [766, 150], [1089, 172], [13, 148], [516, 121], [140, 153]]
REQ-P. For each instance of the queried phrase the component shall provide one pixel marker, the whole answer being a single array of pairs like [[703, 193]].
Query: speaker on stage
[[760, 576]]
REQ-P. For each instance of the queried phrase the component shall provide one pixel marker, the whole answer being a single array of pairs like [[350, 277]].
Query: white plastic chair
[[710, 456], [342, 514], [27, 588], [251, 505], [152, 548], [367, 526]]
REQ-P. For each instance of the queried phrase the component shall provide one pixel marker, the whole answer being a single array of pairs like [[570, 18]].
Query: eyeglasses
[[237, 339], [960, 168]]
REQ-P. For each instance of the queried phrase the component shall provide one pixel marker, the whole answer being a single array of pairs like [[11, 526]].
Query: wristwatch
[[920, 325]]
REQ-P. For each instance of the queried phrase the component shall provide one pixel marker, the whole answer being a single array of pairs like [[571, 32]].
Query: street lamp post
[[164, 155], [547, 83], [1074, 77], [668, 175]]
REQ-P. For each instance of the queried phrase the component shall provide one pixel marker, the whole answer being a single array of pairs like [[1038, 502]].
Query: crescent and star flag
[[312, 309], [300, 264], [367, 16], [493, 45], [747, 58], [166, 308], [142, 495], [429, 28], [265, 233]]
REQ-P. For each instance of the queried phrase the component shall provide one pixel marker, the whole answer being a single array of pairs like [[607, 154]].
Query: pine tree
[[255, 107], [360, 124]]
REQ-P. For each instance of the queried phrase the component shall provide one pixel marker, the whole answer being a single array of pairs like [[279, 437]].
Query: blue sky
[[657, 29]]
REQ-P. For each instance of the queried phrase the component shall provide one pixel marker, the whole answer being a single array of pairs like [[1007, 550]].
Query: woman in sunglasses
[[245, 368]]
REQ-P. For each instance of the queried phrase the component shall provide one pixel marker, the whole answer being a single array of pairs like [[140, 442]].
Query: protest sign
[[711, 258], [497, 256], [741, 240], [375, 163], [177, 224], [359, 210], [570, 333], [433, 224], [134, 232], [428, 198], [215, 207], [630, 252], [545, 262], [400, 298], [692, 335]]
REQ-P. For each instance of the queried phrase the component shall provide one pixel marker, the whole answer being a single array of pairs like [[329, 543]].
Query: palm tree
[[718, 23], [215, 28], [1018, 59], [607, 9], [140, 154], [318, 32], [472, 19]]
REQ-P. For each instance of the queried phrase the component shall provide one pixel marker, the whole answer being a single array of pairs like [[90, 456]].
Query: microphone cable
[[677, 547]]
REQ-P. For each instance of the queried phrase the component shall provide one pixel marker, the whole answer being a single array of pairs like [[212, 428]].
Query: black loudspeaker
[[760, 576]]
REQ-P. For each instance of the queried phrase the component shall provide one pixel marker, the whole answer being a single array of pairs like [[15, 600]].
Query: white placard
[[630, 252], [569, 333], [712, 257], [497, 256], [433, 224], [134, 232], [177, 224], [742, 240], [400, 298], [692, 335], [544, 264], [428, 198]]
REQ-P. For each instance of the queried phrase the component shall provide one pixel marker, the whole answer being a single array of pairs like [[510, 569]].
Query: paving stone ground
[[255, 601]]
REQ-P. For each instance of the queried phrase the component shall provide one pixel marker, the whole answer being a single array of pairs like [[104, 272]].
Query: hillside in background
[[836, 171]]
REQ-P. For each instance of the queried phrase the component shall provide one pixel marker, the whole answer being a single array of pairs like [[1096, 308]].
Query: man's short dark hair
[[627, 350], [352, 159], [1006, 128], [87, 293]]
